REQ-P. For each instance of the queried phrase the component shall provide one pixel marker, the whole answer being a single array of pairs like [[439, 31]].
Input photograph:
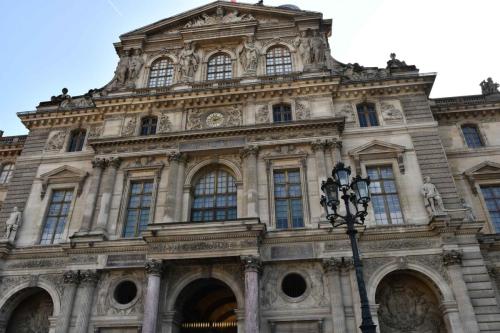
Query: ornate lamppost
[[356, 197]]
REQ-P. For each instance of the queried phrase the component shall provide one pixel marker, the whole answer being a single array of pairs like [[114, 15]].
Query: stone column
[[332, 269], [173, 175], [451, 317], [154, 270], [249, 154], [453, 261], [71, 280], [319, 153], [180, 188], [252, 266], [334, 151], [88, 281], [107, 194], [98, 164]]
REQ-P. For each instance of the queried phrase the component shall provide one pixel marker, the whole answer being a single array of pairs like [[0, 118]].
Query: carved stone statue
[[64, 96], [121, 71], [12, 224], [188, 62], [396, 64], [302, 43], [318, 48], [489, 87], [432, 199], [136, 63], [248, 56], [469, 214]]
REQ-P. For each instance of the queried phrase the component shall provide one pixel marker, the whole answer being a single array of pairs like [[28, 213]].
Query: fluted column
[[249, 154], [453, 262], [173, 175], [180, 188], [98, 165], [71, 280], [108, 186], [154, 269], [88, 281], [332, 268], [252, 266]]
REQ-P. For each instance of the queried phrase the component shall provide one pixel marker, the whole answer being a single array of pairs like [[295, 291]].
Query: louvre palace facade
[[184, 195]]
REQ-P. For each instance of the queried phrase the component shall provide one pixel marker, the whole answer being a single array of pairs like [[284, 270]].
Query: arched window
[[282, 113], [472, 136], [161, 74], [278, 61], [214, 197], [6, 174], [219, 67], [148, 125], [76, 140], [367, 115]]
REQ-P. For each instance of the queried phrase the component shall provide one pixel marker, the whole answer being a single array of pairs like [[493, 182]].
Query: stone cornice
[[37, 119]]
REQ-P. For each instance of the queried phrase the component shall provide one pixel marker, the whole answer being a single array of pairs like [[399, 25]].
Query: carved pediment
[[378, 149], [62, 175], [483, 171]]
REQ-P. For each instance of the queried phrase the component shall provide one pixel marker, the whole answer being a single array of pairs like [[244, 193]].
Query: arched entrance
[[408, 304], [207, 306], [30, 310]]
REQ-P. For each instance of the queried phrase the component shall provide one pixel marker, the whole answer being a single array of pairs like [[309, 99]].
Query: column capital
[[251, 263], [176, 156], [249, 150], [98, 162], [89, 277], [318, 145], [115, 162], [337, 264], [71, 277], [154, 267], [452, 257], [333, 144]]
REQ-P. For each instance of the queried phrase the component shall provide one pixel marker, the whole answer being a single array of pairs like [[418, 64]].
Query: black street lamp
[[356, 198]]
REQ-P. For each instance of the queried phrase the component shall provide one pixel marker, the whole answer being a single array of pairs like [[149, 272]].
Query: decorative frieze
[[71, 277], [89, 277]]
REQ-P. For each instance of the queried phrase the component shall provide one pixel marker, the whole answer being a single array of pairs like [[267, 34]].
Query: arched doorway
[[31, 309], [207, 306], [408, 304]]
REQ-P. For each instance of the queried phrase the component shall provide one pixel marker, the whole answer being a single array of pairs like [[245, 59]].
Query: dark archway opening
[[31, 313], [207, 306]]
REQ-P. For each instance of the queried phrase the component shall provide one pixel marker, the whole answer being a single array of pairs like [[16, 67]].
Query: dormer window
[[148, 125], [472, 136], [76, 140], [219, 67], [282, 113], [278, 61], [161, 74], [367, 115]]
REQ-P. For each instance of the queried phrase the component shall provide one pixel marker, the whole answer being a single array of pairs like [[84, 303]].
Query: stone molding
[[249, 150], [452, 257], [63, 175]]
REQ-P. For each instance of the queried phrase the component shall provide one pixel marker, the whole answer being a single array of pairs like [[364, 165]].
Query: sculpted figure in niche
[[318, 48], [302, 42], [136, 63], [122, 69], [12, 224], [249, 55], [188, 62], [432, 199]]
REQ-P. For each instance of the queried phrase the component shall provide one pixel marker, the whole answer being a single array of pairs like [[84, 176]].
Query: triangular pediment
[[64, 171], [377, 147], [221, 13], [484, 168]]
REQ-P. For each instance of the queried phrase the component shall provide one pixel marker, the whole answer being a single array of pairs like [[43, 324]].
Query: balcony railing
[[473, 99], [16, 139]]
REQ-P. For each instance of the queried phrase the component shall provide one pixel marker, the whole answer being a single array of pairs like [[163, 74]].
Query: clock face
[[215, 119]]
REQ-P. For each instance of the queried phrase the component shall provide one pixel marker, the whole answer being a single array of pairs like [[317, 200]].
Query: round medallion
[[215, 119]]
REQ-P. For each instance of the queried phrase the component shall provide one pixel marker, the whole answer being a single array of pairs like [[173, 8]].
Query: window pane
[[288, 199], [383, 191], [278, 61], [491, 195], [472, 136], [57, 213], [219, 67], [138, 208], [367, 115], [161, 74]]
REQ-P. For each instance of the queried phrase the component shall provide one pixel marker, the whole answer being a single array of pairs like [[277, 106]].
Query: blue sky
[[48, 45]]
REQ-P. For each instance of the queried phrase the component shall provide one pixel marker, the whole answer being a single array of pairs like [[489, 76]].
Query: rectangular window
[[491, 196], [367, 115], [57, 215], [288, 199], [138, 208], [282, 113], [384, 195]]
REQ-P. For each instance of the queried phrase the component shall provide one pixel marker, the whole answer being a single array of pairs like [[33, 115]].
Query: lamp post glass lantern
[[355, 195]]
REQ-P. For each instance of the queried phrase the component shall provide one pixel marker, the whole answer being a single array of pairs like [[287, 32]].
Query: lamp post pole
[[359, 196]]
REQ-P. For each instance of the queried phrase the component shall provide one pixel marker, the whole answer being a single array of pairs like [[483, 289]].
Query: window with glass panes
[[57, 216], [278, 61], [367, 115], [282, 113], [76, 140], [288, 199], [384, 195], [219, 67], [148, 125], [161, 73], [138, 208], [491, 195], [472, 136], [214, 197], [6, 174]]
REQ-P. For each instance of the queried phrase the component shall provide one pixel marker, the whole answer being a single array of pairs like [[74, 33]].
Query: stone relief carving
[[95, 131], [347, 111], [12, 224], [248, 55], [106, 304], [469, 214], [188, 62], [396, 64], [432, 199], [56, 141], [302, 110], [489, 87], [194, 119], [127, 70], [220, 17], [356, 72], [129, 128], [234, 116], [390, 112], [262, 114], [164, 123]]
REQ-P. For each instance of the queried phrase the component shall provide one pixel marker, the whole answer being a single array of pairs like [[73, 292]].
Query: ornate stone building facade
[[184, 195]]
